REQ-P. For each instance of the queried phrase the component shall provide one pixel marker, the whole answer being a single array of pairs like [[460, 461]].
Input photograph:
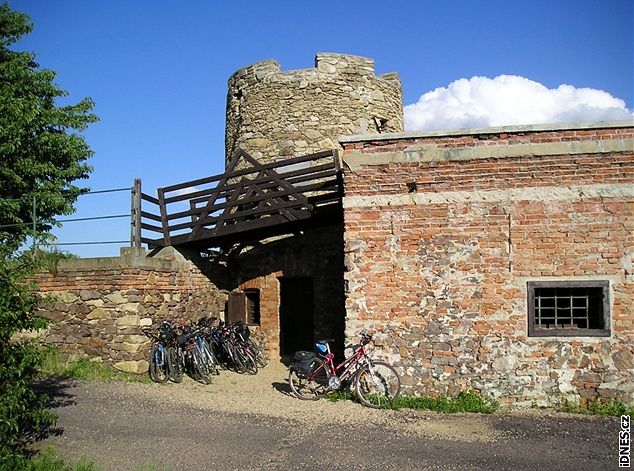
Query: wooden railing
[[249, 200]]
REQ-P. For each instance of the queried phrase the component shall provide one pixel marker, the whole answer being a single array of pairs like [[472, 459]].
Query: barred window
[[568, 308]]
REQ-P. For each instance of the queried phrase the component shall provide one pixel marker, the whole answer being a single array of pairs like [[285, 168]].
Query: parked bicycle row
[[201, 350]]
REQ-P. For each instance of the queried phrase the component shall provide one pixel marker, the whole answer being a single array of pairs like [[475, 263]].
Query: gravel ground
[[252, 422]]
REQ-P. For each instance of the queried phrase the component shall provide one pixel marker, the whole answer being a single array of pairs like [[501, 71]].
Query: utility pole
[[33, 217]]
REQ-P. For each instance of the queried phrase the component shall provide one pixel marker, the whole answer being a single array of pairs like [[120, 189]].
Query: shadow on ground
[[57, 390], [282, 387], [57, 393]]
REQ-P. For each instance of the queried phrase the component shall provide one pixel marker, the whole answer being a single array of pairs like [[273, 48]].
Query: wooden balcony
[[250, 201]]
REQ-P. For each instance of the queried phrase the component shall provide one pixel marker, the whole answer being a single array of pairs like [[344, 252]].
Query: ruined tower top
[[275, 114]]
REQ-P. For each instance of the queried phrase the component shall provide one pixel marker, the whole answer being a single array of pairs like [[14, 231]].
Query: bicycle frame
[[161, 352], [348, 367], [374, 382]]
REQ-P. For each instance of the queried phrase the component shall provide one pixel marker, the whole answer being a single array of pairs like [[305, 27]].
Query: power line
[[106, 191], [35, 222], [94, 192], [54, 221], [89, 243], [94, 218]]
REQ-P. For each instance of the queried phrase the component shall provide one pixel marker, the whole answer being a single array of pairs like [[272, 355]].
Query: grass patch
[[49, 460], [335, 396], [466, 401], [608, 407], [56, 364]]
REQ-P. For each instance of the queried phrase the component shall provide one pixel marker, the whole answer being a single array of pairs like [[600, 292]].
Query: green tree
[[41, 150], [41, 155], [23, 409]]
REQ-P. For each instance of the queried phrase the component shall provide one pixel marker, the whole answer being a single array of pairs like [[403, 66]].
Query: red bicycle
[[375, 383]]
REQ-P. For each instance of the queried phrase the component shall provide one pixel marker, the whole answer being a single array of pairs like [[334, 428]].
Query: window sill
[[568, 333]]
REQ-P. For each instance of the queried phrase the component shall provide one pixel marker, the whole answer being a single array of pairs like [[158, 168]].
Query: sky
[[158, 70]]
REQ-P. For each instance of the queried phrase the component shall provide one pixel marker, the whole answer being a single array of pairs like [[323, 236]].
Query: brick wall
[[99, 306], [443, 231], [316, 255]]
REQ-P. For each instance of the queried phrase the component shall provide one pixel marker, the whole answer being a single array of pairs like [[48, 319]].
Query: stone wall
[[443, 231], [99, 306], [274, 114]]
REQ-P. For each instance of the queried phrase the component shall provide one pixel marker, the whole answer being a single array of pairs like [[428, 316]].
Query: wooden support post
[[164, 218], [135, 235]]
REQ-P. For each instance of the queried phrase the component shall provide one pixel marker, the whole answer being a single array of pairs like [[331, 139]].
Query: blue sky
[[158, 70]]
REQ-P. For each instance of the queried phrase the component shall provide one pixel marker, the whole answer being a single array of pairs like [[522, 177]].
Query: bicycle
[[158, 358], [175, 354], [197, 356], [243, 335], [230, 352], [374, 382]]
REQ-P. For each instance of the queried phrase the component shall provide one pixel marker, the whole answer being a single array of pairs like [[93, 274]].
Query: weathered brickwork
[[100, 306], [275, 114], [440, 246], [316, 255], [490, 137]]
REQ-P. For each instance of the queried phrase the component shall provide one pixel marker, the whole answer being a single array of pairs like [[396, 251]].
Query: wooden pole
[[135, 233]]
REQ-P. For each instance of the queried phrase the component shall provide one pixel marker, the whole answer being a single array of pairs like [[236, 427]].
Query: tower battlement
[[275, 114]]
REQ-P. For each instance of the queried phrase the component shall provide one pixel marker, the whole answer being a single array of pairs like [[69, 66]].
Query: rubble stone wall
[[443, 231], [99, 306], [275, 114]]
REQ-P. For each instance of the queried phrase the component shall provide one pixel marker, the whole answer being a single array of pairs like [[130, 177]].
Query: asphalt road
[[244, 423]]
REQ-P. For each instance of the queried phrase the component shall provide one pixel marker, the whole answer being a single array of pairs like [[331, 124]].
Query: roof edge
[[490, 130]]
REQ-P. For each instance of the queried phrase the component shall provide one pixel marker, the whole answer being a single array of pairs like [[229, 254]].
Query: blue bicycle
[[158, 368]]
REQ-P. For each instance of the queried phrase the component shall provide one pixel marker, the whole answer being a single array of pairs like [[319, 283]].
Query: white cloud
[[507, 100]]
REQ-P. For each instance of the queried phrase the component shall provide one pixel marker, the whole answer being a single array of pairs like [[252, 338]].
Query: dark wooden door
[[296, 315], [236, 308]]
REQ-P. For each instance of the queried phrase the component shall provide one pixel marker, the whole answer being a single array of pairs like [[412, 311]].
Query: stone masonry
[[100, 306], [443, 231], [274, 114]]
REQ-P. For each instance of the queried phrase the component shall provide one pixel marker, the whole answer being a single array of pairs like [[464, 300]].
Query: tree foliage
[[41, 155], [23, 410], [41, 150]]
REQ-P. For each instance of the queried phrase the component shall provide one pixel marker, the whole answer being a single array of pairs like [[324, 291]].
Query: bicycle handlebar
[[151, 334]]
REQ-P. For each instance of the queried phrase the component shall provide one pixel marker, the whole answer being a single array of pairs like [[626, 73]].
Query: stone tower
[[274, 114]]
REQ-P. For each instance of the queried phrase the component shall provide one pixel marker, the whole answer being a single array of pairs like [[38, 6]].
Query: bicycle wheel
[[201, 368], [314, 386], [212, 361], [158, 364], [175, 364], [247, 359], [260, 357], [377, 384], [220, 354], [235, 361]]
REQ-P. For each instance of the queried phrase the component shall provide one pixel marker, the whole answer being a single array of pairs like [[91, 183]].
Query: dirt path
[[251, 422]]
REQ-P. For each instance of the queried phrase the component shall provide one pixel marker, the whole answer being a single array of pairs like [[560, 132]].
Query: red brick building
[[496, 259]]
